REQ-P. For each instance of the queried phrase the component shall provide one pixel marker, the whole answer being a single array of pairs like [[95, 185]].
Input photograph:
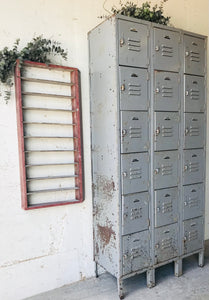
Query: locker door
[[194, 55], [193, 235], [193, 161], [193, 198], [166, 242], [193, 130], [165, 169], [135, 212], [194, 94], [166, 131], [133, 44], [136, 251], [134, 169], [166, 206], [166, 50], [134, 131], [166, 91], [133, 88]]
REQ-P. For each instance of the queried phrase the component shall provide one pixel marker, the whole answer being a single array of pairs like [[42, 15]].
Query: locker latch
[[157, 48], [157, 131], [124, 132], [122, 42], [122, 88], [157, 171]]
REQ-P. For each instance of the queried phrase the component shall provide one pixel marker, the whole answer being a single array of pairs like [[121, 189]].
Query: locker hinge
[[148, 74], [148, 222]]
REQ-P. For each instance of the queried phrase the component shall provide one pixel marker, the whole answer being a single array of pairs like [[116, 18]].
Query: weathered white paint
[[47, 248]]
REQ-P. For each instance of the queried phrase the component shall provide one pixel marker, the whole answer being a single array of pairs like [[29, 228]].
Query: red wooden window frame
[[77, 132]]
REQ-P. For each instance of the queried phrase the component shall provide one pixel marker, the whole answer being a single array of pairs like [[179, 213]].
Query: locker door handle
[[133, 30], [124, 174], [157, 131], [185, 203], [122, 42], [157, 90], [187, 53], [124, 132], [158, 209], [157, 48], [122, 88], [185, 168], [186, 131], [187, 93], [157, 171]]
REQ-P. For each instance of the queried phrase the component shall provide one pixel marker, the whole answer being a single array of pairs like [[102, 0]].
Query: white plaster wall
[[46, 248]]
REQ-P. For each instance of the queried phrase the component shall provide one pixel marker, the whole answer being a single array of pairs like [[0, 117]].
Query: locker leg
[[96, 270], [201, 258], [150, 278], [178, 267], [121, 293]]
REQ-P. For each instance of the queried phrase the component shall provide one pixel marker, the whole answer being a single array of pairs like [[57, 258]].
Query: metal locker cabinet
[[193, 205], [132, 43], [135, 212], [193, 235], [194, 130], [166, 50], [148, 177], [134, 131], [166, 243], [165, 169], [166, 91], [194, 55], [166, 131], [133, 88], [194, 93], [166, 206]]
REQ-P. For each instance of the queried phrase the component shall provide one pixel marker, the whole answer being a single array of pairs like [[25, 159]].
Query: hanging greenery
[[38, 50], [143, 12]]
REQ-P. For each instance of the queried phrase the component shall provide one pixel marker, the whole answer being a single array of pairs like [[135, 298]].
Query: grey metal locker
[[148, 146], [166, 91], [194, 93]]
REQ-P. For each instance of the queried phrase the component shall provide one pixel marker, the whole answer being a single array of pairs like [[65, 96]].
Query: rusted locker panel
[[166, 131], [133, 88], [135, 212], [166, 243], [134, 131], [105, 145], [136, 251], [194, 124], [194, 55], [193, 199], [134, 172], [166, 91], [193, 164], [193, 235], [133, 44], [194, 93], [166, 206], [166, 50], [165, 169]]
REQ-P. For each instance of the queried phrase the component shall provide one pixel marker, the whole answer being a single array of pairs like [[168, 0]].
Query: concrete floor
[[192, 285]]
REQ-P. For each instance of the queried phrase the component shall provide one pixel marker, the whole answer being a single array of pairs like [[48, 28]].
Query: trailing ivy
[[38, 50], [144, 12]]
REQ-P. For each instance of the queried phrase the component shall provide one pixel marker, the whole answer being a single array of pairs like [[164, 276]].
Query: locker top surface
[[151, 24]]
